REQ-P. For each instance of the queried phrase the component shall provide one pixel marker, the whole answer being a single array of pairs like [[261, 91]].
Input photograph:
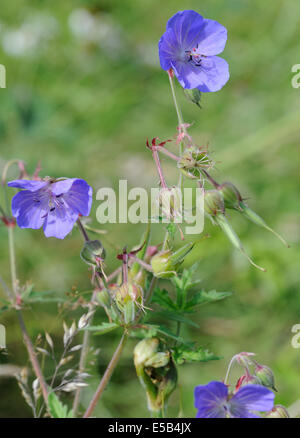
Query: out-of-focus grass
[[84, 108]]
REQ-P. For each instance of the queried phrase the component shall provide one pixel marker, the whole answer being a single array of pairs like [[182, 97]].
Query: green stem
[[229, 369], [106, 376], [180, 120], [3, 183], [83, 231], [12, 259], [6, 289], [178, 110], [30, 348], [86, 336]]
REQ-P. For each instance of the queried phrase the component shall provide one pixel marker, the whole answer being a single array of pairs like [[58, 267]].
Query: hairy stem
[[106, 376], [29, 346], [82, 230], [159, 169], [180, 120], [33, 358], [86, 336]]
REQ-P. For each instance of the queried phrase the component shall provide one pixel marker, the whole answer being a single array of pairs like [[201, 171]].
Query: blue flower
[[189, 46], [55, 205], [214, 401]]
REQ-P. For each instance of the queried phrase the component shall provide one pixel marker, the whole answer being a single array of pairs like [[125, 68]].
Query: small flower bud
[[231, 195], [162, 265], [278, 411], [266, 376], [166, 263], [93, 252], [213, 202], [128, 291], [127, 297], [192, 161], [193, 95]]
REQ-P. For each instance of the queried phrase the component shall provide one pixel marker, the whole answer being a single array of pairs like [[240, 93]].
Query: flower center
[[55, 201], [193, 56]]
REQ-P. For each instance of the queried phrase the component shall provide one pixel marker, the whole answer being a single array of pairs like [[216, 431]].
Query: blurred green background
[[84, 91]]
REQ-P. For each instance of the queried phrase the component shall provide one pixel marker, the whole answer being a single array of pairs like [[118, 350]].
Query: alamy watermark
[[165, 205], [296, 338], [296, 79], [2, 337], [2, 76]]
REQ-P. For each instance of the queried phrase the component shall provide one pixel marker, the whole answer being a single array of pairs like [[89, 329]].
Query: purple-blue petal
[[217, 412], [186, 26], [237, 411], [167, 49], [254, 398], [215, 71], [211, 38], [211, 395], [62, 186], [212, 75], [29, 212], [79, 197], [59, 222], [30, 185]]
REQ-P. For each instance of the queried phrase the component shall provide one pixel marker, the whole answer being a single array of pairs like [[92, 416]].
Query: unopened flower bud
[[93, 252], [192, 161], [162, 265], [213, 202], [278, 411], [231, 195], [166, 263], [128, 291], [127, 296], [193, 95], [266, 376]]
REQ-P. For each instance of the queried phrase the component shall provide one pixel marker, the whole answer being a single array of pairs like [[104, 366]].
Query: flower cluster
[[189, 50]]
